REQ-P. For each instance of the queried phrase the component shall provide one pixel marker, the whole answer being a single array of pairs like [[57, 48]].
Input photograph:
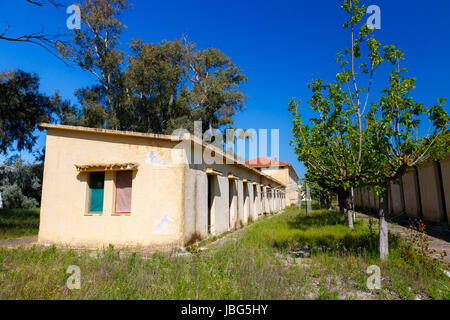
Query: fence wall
[[423, 192]]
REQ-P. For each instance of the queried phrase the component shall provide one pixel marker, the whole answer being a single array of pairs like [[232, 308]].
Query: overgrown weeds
[[16, 223], [255, 266]]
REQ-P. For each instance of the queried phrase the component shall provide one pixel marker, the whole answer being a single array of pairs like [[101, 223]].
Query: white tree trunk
[[384, 232]]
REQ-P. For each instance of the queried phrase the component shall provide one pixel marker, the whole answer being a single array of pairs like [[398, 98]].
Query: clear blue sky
[[280, 45]]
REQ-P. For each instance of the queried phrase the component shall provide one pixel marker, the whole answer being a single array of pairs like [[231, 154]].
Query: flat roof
[[264, 162], [175, 138]]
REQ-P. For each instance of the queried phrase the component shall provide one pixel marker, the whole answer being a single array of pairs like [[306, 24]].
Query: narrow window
[[96, 189], [124, 181]]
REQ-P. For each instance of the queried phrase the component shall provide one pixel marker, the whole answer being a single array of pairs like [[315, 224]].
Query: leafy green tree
[[393, 136], [157, 99], [332, 144], [22, 108], [172, 84], [355, 140], [95, 49], [215, 80], [159, 88], [20, 183], [321, 193]]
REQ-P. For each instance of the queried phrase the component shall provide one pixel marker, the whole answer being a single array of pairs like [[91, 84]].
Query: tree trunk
[[329, 203], [341, 201], [350, 218], [345, 205], [384, 232]]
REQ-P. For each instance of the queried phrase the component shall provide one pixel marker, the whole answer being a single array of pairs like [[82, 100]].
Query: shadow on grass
[[328, 231], [435, 229], [18, 222]]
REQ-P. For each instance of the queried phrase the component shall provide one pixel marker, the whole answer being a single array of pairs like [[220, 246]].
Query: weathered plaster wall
[[428, 199], [156, 218], [169, 199], [445, 169], [410, 193], [429, 191]]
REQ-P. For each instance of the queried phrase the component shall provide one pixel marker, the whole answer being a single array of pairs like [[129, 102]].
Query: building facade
[[422, 192], [139, 190], [282, 171]]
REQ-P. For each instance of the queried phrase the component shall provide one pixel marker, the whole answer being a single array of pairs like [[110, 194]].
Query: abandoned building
[[282, 171], [132, 189]]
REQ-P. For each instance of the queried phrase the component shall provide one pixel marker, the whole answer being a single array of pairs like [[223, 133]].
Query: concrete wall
[[445, 170], [156, 219], [173, 203], [410, 192], [423, 192], [289, 178]]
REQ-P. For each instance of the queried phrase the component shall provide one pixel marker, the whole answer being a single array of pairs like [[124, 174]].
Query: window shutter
[[124, 180], [96, 186]]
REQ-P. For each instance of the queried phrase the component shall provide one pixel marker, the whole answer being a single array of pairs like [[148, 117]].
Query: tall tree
[[394, 138], [160, 87], [95, 48], [157, 97], [332, 146], [356, 140], [172, 84], [22, 108], [215, 81]]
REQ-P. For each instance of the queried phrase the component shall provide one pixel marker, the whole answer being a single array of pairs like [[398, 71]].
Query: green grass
[[256, 266], [16, 223]]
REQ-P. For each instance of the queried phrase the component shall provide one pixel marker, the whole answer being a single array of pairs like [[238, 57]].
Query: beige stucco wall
[[169, 198], [429, 190], [445, 169], [287, 177], [395, 199], [229, 211], [156, 218], [410, 193], [434, 208]]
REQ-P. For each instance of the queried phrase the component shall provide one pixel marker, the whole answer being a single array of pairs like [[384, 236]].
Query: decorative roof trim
[[106, 167], [211, 171], [173, 138]]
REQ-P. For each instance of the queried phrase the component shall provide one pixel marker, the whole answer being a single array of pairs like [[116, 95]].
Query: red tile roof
[[266, 162]]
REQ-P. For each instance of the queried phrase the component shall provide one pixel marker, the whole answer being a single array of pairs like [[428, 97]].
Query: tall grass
[[16, 223], [255, 266]]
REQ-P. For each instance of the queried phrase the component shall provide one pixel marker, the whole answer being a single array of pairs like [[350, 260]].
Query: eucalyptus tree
[[171, 84], [95, 47]]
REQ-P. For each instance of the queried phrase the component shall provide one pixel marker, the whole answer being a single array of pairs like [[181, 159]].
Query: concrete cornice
[[174, 138]]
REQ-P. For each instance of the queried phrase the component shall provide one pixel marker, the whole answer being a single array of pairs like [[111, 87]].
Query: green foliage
[[20, 183], [355, 140], [22, 108], [255, 266], [16, 223], [159, 88]]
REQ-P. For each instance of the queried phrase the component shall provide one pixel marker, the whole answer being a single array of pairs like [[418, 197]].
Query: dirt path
[[438, 244], [25, 242]]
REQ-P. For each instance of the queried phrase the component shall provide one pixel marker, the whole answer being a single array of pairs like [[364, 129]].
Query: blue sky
[[280, 45]]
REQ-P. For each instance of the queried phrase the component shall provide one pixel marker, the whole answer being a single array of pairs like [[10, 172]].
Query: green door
[[96, 186]]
